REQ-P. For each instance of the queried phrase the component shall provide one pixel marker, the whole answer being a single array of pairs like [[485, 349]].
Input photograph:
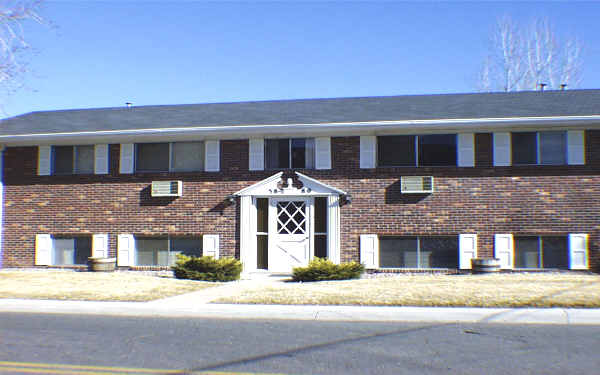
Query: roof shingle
[[310, 111]]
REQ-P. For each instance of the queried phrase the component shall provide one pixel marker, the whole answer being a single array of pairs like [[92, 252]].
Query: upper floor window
[[547, 147], [173, 157], [72, 159], [290, 153], [417, 150]]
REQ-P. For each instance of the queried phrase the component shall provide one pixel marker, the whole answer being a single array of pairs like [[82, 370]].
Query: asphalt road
[[71, 344]]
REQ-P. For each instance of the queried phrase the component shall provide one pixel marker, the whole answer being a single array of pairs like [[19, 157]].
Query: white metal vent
[[416, 184], [167, 188]]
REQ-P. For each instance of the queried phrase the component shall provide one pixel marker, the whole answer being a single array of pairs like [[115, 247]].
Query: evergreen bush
[[320, 269], [207, 268]]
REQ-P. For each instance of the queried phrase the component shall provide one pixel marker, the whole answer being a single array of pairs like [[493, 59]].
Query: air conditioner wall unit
[[416, 184], [167, 188]]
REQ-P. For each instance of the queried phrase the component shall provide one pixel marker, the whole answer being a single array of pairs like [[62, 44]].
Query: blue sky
[[106, 53]]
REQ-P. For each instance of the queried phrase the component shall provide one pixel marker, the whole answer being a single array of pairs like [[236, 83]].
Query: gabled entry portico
[[284, 224]]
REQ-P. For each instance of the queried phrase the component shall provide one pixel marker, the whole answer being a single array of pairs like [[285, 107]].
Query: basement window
[[70, 251], [285, 153], [163, 251], [418, 252], [541, 252], [72, 160]]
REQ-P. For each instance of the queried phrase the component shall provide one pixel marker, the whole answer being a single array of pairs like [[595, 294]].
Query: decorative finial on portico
[[290, 183]]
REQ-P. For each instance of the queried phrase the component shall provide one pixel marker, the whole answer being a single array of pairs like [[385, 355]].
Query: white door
[[289, 233]]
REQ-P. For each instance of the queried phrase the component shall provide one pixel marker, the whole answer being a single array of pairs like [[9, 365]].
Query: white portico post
[[1, 199], [248, 233], [333, 228]]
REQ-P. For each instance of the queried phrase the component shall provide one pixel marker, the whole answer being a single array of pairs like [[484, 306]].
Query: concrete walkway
[[208, 295], [197, 305]]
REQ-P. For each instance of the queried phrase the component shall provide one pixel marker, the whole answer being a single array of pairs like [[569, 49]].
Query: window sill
[[164, 173], [75, 267], [413, 270], [538, 165], [285, 169], [541, 269], [408, 269], [150, 268], [73, 174]]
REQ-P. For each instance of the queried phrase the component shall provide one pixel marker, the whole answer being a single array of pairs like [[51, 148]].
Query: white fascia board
[[318, 129], [317, 182], [248, 190]]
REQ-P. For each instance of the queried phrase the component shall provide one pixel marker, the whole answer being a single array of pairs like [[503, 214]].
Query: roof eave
[[316, 129]]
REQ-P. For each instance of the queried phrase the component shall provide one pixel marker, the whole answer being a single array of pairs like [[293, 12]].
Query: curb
[[310, 312]]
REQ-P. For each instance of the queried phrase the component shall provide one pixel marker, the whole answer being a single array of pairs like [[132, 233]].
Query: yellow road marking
[[55, 368], [25, 370], [80, 367]]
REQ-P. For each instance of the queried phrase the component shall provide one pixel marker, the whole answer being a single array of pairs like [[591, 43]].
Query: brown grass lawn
[[503, 290], [92, 286]]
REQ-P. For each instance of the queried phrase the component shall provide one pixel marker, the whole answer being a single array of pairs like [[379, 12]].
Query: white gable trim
[[260, 185], [271, 187], [313, 184]]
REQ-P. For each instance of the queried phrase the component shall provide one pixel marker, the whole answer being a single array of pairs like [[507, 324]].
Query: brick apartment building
[[405, 182]]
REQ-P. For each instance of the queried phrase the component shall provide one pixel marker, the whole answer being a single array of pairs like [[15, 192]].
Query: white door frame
[[271, 187]]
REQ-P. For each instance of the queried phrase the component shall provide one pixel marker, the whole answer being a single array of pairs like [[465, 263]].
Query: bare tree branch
[[522, 58], [13, 14]]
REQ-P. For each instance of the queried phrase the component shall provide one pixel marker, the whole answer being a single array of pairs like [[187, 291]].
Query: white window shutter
[[257, 154], [578, 251], [43, 250], [100, 159], [466, 150], [369, 250], [210, 245], [44, 160], [467, 244], [127, 159], [100, 245], [212, 156], [368, 154], [502, 150], [576, 147], [323, 153], [504, 249], [125, 250]]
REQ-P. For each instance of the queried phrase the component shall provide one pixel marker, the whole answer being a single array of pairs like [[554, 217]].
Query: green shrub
[[323, 269], [207, 268]]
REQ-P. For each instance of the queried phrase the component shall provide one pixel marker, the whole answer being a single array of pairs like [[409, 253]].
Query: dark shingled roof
[[311, 111]]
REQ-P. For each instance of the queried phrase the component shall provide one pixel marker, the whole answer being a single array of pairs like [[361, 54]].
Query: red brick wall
[[482, 200]]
